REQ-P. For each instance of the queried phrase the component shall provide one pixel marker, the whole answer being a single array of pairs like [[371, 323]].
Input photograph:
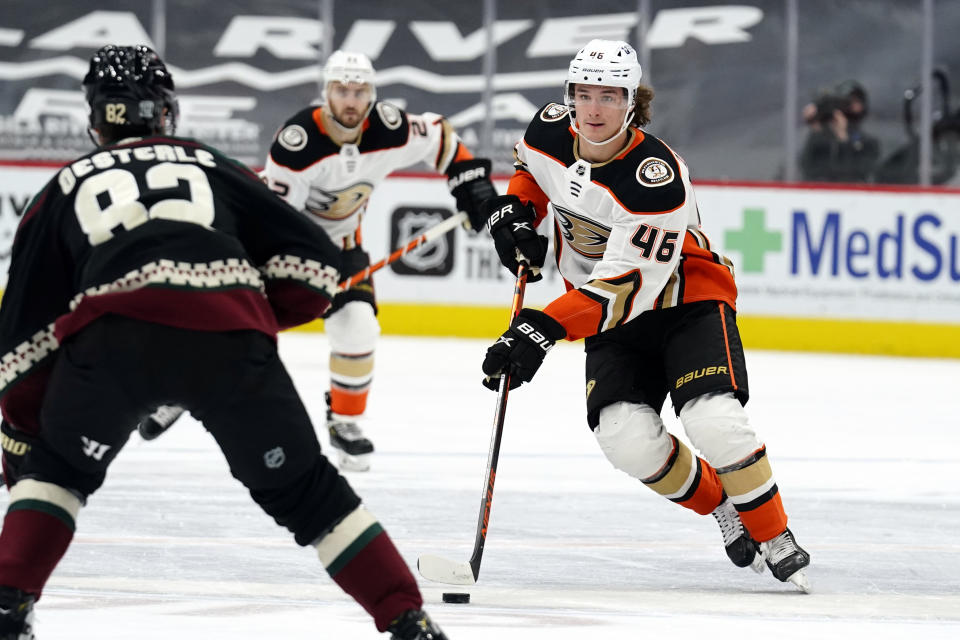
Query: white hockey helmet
[[606, 63], [346, 67]]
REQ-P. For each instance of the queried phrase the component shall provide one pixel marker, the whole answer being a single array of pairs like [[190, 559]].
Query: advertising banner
[[242, 67], [850, 254], [854, 254]]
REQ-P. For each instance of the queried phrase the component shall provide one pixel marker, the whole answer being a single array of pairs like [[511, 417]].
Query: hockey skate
[[740, 547], [353, 448], [16, 615], [159, 421], [787, 560], [415, 625]]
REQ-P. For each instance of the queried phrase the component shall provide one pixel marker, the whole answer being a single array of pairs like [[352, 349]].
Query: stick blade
[[446, 571]]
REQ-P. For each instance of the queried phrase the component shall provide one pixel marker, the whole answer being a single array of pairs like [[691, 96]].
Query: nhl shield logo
[[274, 458], [432, 259], [654, 172]]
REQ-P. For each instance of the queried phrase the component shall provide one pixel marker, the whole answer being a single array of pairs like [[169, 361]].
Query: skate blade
[[758, 564], [799, 580], [358, 463]]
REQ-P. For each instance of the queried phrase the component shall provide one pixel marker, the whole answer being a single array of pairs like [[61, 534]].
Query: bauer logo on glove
[[469, 182], [511, 223], [521, 349], [535, 336]]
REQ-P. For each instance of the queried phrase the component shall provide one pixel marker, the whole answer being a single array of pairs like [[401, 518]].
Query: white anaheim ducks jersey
[[627, 237], [332, 183]]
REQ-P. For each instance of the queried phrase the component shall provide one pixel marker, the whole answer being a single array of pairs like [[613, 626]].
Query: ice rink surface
[[865, 451]]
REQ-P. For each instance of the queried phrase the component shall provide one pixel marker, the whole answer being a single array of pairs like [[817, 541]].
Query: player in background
[[654, 303], [157, 270], [326, 161]]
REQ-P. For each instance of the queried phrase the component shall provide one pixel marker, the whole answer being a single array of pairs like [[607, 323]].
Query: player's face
[[348, 102], [600, 110]]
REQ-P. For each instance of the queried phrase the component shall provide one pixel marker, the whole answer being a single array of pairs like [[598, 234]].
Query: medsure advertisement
[[857, 254]]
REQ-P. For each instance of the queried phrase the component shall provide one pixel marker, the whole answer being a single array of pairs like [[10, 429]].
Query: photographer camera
[[836, 148]]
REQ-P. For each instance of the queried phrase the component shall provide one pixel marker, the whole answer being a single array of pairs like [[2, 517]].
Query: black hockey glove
[[469, 183], [16, 443], [511, 225], [521, 348], [352, 262]]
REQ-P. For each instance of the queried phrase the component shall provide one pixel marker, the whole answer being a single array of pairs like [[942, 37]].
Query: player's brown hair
[[641, 105]]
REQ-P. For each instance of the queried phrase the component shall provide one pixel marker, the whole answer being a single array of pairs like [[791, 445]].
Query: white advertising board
[[861, 254], [18, 185]]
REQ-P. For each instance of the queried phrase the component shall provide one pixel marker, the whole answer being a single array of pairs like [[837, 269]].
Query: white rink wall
[[867, 261]]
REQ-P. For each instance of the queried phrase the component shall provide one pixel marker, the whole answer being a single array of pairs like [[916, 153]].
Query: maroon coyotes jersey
[[162, 229]]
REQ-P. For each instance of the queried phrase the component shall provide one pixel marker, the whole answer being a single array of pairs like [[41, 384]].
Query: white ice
[[865, 451]]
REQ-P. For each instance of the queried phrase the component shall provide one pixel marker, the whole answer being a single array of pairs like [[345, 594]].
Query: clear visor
[[587, 95], [359, 92]]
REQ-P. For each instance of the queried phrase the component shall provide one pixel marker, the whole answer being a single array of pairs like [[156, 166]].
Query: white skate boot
[[740, 547], [787, 560], [353, 448]]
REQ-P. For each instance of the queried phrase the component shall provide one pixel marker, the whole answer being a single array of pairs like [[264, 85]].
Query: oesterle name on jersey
[[67, 178]]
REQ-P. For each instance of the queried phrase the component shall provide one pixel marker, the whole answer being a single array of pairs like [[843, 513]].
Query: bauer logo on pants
[[432, 259]]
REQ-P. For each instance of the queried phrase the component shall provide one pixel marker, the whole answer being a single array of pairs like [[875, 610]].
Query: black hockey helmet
[[130, 92]]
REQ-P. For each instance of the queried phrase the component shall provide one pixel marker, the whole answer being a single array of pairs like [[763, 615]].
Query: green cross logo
[[753, 240]]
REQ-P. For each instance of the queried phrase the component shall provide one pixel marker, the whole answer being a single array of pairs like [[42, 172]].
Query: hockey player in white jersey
[[326, 161], [654, 302]]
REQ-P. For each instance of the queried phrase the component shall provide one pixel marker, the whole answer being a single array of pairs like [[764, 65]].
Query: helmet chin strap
[[350, 132], [576, 129]]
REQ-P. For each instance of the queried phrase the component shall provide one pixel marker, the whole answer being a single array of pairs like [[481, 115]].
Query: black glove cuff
[[353, 261], [460, 173], [550, 327], [504, 210]]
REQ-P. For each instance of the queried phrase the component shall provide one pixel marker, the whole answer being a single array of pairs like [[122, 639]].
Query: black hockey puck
[[456, 598]]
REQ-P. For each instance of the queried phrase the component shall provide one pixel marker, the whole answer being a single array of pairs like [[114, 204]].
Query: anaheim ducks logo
[[293, 138], [338, 205], [553, 112], [654, 172], [585, 236], [390, 115]]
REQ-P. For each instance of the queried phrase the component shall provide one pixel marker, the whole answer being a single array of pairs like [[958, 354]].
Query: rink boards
[[822, 268]]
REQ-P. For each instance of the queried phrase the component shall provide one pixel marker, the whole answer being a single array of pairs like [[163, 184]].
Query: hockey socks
[[37, 530], [350, 379], [750, 485], [361, 558], [687, 480]]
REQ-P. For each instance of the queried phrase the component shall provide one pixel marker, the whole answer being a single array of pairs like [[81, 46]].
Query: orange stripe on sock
[[348, 403], [766, 521], [709, 491]]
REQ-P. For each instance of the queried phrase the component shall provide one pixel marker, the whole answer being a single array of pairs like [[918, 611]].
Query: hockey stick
[[162, 419], [430, 234], [441, 569]]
